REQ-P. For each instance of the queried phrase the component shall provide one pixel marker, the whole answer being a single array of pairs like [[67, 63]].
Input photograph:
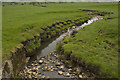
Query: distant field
[[97, 44]]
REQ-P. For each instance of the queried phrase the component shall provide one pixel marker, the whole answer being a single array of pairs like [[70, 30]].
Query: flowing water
[[52, 45], [46, 62]]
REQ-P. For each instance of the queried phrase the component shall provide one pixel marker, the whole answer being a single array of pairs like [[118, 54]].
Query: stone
[[55, 55], [73, 74], [55, 69], [60, 72], [42, 58], [39, 72], [78, 70], [29, 72], [57, 64], [38, 67], [36, 64], [43, 76], [27, 59], [33, 73], [44, 68], [46, 62], [40, 61], [35, 77], [51, 66], [52, 61], [61, 67], [66, 74], [47, 77], [80, 76], [29, 77], [51, 70], [33, 69], [69, 70]]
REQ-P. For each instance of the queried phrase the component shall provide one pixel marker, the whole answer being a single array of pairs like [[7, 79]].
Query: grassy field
[[22, 22], [97, 44], [17, 18]]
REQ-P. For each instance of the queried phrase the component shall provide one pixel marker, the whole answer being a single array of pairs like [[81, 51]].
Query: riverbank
[[33, 35], [94, 48], [48, 63], [22, 53]]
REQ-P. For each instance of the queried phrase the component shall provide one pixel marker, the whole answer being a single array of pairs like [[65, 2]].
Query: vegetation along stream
[[47, 64]]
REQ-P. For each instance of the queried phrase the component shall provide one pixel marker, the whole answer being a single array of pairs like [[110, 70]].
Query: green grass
[[99, 43], [18, 18]]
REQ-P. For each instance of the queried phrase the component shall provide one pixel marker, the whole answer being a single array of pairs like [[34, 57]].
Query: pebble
[[66, 74], [43, 76], [39, 72], [51, 66], [70, 70], [61, 67], [36, 64], [29, 77], [44, 68], [80, 76], [38, 67], [55, 69], [32, 71], [32, 64], [51, 70], [57, 64], [40, 61], [42, 58], [47, 77], [60, 72]]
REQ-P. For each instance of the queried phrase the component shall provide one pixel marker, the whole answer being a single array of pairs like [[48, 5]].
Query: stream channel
[[46, 64]]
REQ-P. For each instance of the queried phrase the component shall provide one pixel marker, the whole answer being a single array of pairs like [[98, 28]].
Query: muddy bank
[[96, 12], [47, 62], [79, 65], [22, 53]]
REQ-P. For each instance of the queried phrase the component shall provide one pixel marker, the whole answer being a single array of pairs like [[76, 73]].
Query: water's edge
[[8, 69], [49, 59], [52, 46]]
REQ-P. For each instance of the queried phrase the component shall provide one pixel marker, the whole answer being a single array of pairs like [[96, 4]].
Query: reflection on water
[[52, 46], [49, 66]]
